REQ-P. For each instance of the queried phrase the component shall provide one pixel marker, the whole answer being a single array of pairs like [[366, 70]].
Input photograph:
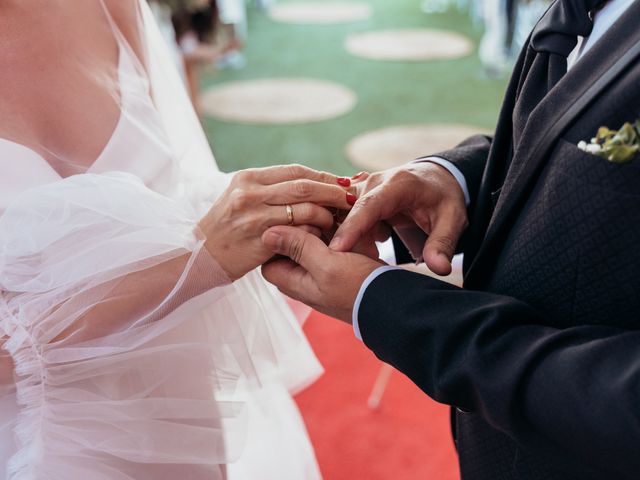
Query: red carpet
[[408, 438]]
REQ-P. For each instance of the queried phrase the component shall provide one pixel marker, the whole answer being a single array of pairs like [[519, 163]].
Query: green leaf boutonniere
[[616, 146]]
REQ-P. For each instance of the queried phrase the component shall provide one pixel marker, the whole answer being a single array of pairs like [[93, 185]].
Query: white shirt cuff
[[356, 306], [453, 170]]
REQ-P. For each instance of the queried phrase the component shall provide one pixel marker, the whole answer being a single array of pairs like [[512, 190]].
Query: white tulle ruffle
[[133, 353]]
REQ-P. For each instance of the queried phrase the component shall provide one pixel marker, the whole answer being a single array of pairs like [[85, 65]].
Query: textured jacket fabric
[[540, 352]]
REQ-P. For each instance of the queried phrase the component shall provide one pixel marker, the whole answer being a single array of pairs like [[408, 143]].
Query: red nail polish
[[344, 181], [358, 175], [351, 199]]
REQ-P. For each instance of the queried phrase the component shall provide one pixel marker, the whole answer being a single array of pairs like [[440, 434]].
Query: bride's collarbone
[[74, 125], [59, 98]]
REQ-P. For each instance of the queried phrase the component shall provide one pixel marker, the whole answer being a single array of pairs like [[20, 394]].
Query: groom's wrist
[[453, 170]]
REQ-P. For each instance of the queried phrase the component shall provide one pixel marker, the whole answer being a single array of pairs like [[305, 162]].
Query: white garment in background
[[493, 49], [232, 12]]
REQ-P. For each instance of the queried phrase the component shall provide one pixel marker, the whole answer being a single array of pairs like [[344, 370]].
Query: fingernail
[[344, 181], [358, 175], [273, 241], [351, 199]]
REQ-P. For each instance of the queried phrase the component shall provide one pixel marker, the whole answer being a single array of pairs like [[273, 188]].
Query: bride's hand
[[257, 199]]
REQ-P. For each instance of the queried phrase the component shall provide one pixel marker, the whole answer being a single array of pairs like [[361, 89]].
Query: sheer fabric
[[127, 353]]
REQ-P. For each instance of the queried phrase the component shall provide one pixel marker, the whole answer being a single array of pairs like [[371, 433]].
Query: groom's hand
[[326, 280], [421, 194]]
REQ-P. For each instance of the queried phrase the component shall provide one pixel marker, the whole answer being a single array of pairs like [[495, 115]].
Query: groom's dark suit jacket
[[540, 352]]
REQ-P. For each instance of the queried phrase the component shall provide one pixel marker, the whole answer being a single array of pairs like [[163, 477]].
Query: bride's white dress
[[198, 373]]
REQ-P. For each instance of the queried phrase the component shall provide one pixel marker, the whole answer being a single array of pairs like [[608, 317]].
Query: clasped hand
[[328, 278], [257, 199]]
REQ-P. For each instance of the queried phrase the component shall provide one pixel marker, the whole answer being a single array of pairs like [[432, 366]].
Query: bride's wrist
[[218, 251]]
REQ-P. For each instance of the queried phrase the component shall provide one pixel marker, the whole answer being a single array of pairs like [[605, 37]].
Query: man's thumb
[[439, 250], [303, 248]]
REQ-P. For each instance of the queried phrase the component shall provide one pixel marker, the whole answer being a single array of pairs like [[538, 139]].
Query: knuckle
[[363, 202], [376, 177], [236, 179], [304, 213], [384, 201], [373, 181], [240, 199], [401, 176], [243, 176], [327, 177], [295, 170], [367, 203], [301, 189]]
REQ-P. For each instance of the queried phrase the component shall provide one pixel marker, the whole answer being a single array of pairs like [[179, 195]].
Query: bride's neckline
[[126, 68]]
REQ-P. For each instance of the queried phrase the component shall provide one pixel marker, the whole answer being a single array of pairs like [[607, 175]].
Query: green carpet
[[389, 93]]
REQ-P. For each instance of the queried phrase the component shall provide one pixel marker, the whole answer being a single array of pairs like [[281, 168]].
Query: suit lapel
[[617, 49]]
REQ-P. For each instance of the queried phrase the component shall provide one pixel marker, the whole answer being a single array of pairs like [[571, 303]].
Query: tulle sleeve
[[127, 338]]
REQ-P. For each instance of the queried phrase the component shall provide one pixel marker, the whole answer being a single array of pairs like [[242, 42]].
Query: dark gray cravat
[[557, 32], [552, 40]]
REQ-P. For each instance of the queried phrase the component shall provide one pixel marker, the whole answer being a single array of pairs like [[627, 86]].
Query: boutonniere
[[616, 146]]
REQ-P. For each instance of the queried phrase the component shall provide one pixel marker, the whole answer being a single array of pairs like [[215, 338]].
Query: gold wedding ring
[[289, 214]]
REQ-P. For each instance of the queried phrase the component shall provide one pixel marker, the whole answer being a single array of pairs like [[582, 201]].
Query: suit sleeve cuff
[[356, 306], [453, 170]]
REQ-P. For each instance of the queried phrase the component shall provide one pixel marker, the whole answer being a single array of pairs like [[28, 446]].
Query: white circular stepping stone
[[393, 146], [321, 13], [278, 101], [409, 45]]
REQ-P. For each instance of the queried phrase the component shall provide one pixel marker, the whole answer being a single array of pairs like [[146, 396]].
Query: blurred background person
[[162, 12], [204, 34], [233, 20], [506, 25], [195, 23]]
